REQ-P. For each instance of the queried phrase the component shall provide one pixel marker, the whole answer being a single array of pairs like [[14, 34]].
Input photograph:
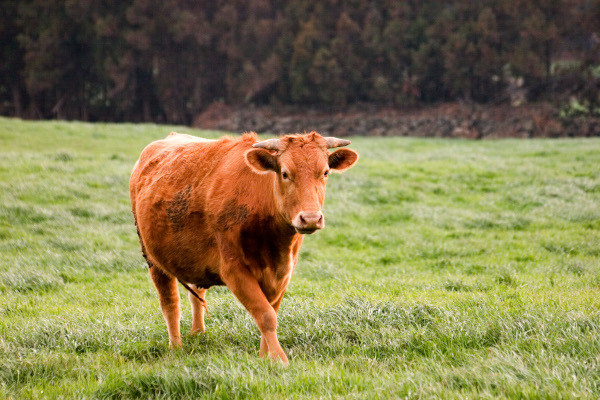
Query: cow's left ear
[[342, 159], [261, 161]]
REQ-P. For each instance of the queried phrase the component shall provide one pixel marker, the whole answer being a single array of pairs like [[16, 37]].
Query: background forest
[[166, 61]]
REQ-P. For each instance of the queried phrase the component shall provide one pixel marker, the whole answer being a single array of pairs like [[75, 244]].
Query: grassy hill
[[448, 268]]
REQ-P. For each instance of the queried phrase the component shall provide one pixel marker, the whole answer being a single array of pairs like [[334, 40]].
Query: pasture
[[447, 269]]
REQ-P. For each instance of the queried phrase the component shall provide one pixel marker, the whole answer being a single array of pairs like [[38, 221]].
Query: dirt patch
[[178, 209]]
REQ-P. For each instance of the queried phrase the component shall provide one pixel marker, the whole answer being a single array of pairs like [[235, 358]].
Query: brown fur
[[219, 212]]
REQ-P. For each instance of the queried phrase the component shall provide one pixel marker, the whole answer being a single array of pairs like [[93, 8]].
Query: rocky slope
[[447, 120]]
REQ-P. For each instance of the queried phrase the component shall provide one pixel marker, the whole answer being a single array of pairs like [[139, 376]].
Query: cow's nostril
[[302, 220]]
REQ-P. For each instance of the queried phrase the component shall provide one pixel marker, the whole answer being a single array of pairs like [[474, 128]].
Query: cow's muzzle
[[308, 222]]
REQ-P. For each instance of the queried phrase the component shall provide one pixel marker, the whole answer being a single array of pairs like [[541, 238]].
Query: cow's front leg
[[246, 288], [168, 295], [264, 348], [197, 310]]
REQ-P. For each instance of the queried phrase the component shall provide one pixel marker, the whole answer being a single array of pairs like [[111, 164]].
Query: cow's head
[[302, 165]]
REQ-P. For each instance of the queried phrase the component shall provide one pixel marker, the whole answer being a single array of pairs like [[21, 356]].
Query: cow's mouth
[[306, 231]]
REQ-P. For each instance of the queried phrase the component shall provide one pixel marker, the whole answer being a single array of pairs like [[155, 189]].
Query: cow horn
[[269, 144], [335, 142]]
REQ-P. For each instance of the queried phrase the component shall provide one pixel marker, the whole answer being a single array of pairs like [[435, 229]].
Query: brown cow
[[230, 212]]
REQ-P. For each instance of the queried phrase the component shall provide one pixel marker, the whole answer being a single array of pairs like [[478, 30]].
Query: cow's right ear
[[261, 161]]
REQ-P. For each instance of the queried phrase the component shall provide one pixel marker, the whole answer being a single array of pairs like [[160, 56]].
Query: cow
[[232, 212]]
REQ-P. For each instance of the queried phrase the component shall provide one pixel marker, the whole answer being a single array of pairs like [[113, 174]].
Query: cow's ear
[[261, 161], [342, 159]]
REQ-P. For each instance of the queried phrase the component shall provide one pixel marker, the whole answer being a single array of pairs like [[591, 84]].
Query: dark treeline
[[167, 60]]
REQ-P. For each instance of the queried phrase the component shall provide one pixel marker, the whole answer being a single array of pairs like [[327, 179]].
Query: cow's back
[[166, 158]]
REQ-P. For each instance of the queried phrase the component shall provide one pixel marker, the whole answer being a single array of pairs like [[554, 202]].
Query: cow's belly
[[196, 272], [190, 263], [190, 255]]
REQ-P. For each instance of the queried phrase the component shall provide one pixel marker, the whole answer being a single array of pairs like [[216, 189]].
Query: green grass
[[448, 269]]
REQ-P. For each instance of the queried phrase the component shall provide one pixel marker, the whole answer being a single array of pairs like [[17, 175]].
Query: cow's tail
[[193, 292]]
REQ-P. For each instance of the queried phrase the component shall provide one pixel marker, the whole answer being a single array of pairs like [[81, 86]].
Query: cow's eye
[[285, 175], [326, 173]]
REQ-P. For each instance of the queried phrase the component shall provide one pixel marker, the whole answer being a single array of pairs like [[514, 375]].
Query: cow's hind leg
[[168, 295], [197, 310]]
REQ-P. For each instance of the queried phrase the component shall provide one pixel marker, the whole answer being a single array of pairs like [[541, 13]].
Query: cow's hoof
[[281, 357], [197, 331]]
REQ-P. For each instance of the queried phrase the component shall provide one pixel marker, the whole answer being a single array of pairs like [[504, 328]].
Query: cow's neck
[[269, 242], [265, 235]]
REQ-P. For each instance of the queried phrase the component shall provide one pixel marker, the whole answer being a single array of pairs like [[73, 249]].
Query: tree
[[59, 59], [12, 87], [308, 41]]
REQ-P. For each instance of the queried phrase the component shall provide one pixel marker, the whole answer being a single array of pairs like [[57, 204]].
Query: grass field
[[448, 269]]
